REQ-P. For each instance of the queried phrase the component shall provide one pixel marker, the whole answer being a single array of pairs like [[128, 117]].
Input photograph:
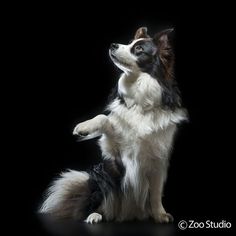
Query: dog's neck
[[126, 82], [139, 89]]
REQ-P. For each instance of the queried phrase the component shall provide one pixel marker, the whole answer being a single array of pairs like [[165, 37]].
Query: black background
[[65, 76]]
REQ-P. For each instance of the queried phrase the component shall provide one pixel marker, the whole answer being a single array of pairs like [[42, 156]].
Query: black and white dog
[[136, 140]]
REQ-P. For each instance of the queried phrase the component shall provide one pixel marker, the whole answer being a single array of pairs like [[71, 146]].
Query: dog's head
[[152, 55], [145, 54]]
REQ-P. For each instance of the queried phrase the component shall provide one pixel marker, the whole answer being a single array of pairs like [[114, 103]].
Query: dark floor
[[72, 228]]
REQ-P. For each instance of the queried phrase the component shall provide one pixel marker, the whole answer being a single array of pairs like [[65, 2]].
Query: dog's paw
[[93, 218], [90, 126], [82, 129], [164, 218]]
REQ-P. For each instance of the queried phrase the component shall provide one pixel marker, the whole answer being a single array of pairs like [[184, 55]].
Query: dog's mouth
[[112, 55], [117, 60]]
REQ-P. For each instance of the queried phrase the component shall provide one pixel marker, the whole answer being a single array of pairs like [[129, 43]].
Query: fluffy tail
[[67, 197]]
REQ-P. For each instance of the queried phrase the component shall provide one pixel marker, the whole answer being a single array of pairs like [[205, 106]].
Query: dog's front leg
[[99, 124], [156, 187]]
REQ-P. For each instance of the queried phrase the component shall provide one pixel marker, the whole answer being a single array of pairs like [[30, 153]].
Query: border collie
[[136, 139]]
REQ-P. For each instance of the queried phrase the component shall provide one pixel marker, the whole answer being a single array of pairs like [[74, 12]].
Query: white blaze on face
[[124, 59]]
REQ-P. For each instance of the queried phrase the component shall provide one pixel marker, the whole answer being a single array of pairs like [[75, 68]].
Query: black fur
[[105, 177]]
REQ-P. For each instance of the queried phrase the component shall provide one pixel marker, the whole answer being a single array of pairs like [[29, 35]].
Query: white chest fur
[[142, 90], [142, 126], [142, 136]]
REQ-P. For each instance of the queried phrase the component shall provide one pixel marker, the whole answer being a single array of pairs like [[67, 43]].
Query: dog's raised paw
[[81, 130], [164, 218], [94, 218], [90, 126]]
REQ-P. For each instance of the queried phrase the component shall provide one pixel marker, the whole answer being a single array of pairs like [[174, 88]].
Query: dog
[[136, 139]]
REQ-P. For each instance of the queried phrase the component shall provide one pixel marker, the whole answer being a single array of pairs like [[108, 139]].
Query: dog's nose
[[114, 46]]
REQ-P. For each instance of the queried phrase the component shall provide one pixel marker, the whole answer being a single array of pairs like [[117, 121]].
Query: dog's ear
[[164, 43], [141, 33], [163, 40]]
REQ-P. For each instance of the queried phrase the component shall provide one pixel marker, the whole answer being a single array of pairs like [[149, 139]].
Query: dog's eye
[[138, 48]]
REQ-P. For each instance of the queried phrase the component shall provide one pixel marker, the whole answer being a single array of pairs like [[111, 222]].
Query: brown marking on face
[[141, 33]]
